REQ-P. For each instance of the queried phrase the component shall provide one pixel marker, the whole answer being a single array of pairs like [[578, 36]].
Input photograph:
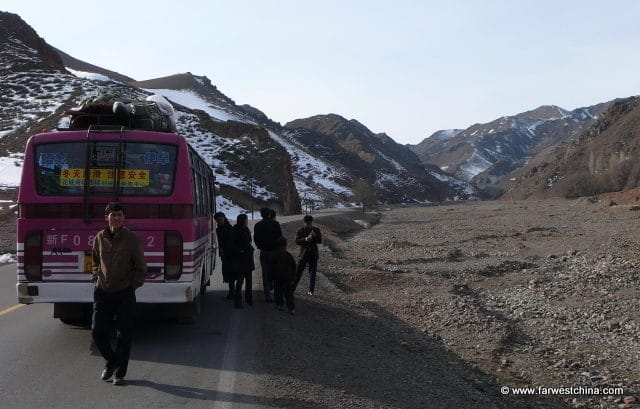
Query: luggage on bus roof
[[154, 113]]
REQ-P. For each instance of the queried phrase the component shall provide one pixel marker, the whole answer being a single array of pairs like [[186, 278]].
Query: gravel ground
[[439, 307]]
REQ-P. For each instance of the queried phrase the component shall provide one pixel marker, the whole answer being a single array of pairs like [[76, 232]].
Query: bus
[[167, 190]]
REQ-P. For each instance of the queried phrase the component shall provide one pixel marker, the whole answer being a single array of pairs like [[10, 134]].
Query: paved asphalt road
[[212, 364]]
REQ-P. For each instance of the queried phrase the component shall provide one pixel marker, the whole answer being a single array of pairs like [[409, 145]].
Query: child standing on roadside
[[283, 271]]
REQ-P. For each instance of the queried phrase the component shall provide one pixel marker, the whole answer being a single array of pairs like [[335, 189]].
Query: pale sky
[[407, 68]]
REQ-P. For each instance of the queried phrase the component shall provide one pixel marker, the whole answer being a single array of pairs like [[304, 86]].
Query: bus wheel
[[196, 306], [190, 311], [203, 284], [76, 314]]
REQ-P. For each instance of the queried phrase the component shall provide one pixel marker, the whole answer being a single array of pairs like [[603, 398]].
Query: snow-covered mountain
[[484, 154], [257, 161], [374, 160]]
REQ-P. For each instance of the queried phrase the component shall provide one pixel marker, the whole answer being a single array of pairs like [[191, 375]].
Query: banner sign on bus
[[104, 177]]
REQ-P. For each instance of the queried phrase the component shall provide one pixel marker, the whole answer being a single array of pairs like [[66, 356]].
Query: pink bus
[[168, 194]]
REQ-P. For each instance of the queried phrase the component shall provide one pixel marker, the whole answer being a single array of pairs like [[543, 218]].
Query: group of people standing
[[119, 268], [236, 253], [280, 272]]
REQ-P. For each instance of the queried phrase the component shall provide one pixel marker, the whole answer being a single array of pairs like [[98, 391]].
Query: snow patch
[[11, 169], [474, 166], [8, 258], [193, 100], [89, 75]]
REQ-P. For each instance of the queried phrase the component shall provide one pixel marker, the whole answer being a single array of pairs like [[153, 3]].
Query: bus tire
[[190, 311], [203, 283], [76, 314], [196, 306]]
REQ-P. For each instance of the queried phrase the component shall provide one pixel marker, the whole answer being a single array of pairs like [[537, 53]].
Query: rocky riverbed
[[537, 294]]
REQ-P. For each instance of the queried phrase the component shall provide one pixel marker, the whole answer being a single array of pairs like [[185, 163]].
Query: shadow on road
[[337, 351], [218, 396]]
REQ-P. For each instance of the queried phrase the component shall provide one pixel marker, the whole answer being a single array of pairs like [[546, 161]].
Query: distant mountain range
[[321, 161], [257, 161], [487, 154]]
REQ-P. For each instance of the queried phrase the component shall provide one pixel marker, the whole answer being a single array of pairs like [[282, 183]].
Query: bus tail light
[[33, 256], [172, 255]]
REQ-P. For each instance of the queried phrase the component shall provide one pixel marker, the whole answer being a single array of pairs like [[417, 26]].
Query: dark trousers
[[247, 278], [267, 281], [312, 260], [107, 307], [284, 288]]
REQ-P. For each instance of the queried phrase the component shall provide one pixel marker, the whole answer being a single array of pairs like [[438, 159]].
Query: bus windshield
[[144, 169]]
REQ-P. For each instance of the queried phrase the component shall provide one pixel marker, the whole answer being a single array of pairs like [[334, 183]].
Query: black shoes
[[107, 373]]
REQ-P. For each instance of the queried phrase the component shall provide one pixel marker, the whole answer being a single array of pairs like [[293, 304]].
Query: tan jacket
[[118, 261]]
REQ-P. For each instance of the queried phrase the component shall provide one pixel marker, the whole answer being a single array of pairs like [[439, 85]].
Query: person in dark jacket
[[243, 261], [308, 239], [283, 270], [224, 232], [265, 234], [118, 270]]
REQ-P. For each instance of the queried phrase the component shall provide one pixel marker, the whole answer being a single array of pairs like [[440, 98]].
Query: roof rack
[[112, 111]]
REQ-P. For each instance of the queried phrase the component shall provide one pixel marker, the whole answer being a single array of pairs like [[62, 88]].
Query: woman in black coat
[[243, 260], [224, 232]]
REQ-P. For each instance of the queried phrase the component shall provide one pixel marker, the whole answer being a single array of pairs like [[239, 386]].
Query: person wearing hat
[[224, 233], [308, 239], [119, 269]]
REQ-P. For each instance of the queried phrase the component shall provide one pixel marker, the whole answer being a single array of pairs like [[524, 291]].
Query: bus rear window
[[140, 169]]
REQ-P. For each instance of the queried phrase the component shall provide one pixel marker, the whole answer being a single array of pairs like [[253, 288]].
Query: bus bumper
[[39, 292]]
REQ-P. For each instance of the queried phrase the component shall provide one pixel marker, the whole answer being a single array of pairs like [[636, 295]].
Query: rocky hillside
[[23, 49], [487, 153], [605, 158], [257, 161], [374, 162]]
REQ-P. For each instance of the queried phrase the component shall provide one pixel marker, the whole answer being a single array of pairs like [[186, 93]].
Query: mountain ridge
[[322, 161], [79, 65], [485, 154], [255, 159]]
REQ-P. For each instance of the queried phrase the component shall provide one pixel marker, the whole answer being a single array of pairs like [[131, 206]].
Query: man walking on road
[[118, 269], [265, 234], [308, 239]]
